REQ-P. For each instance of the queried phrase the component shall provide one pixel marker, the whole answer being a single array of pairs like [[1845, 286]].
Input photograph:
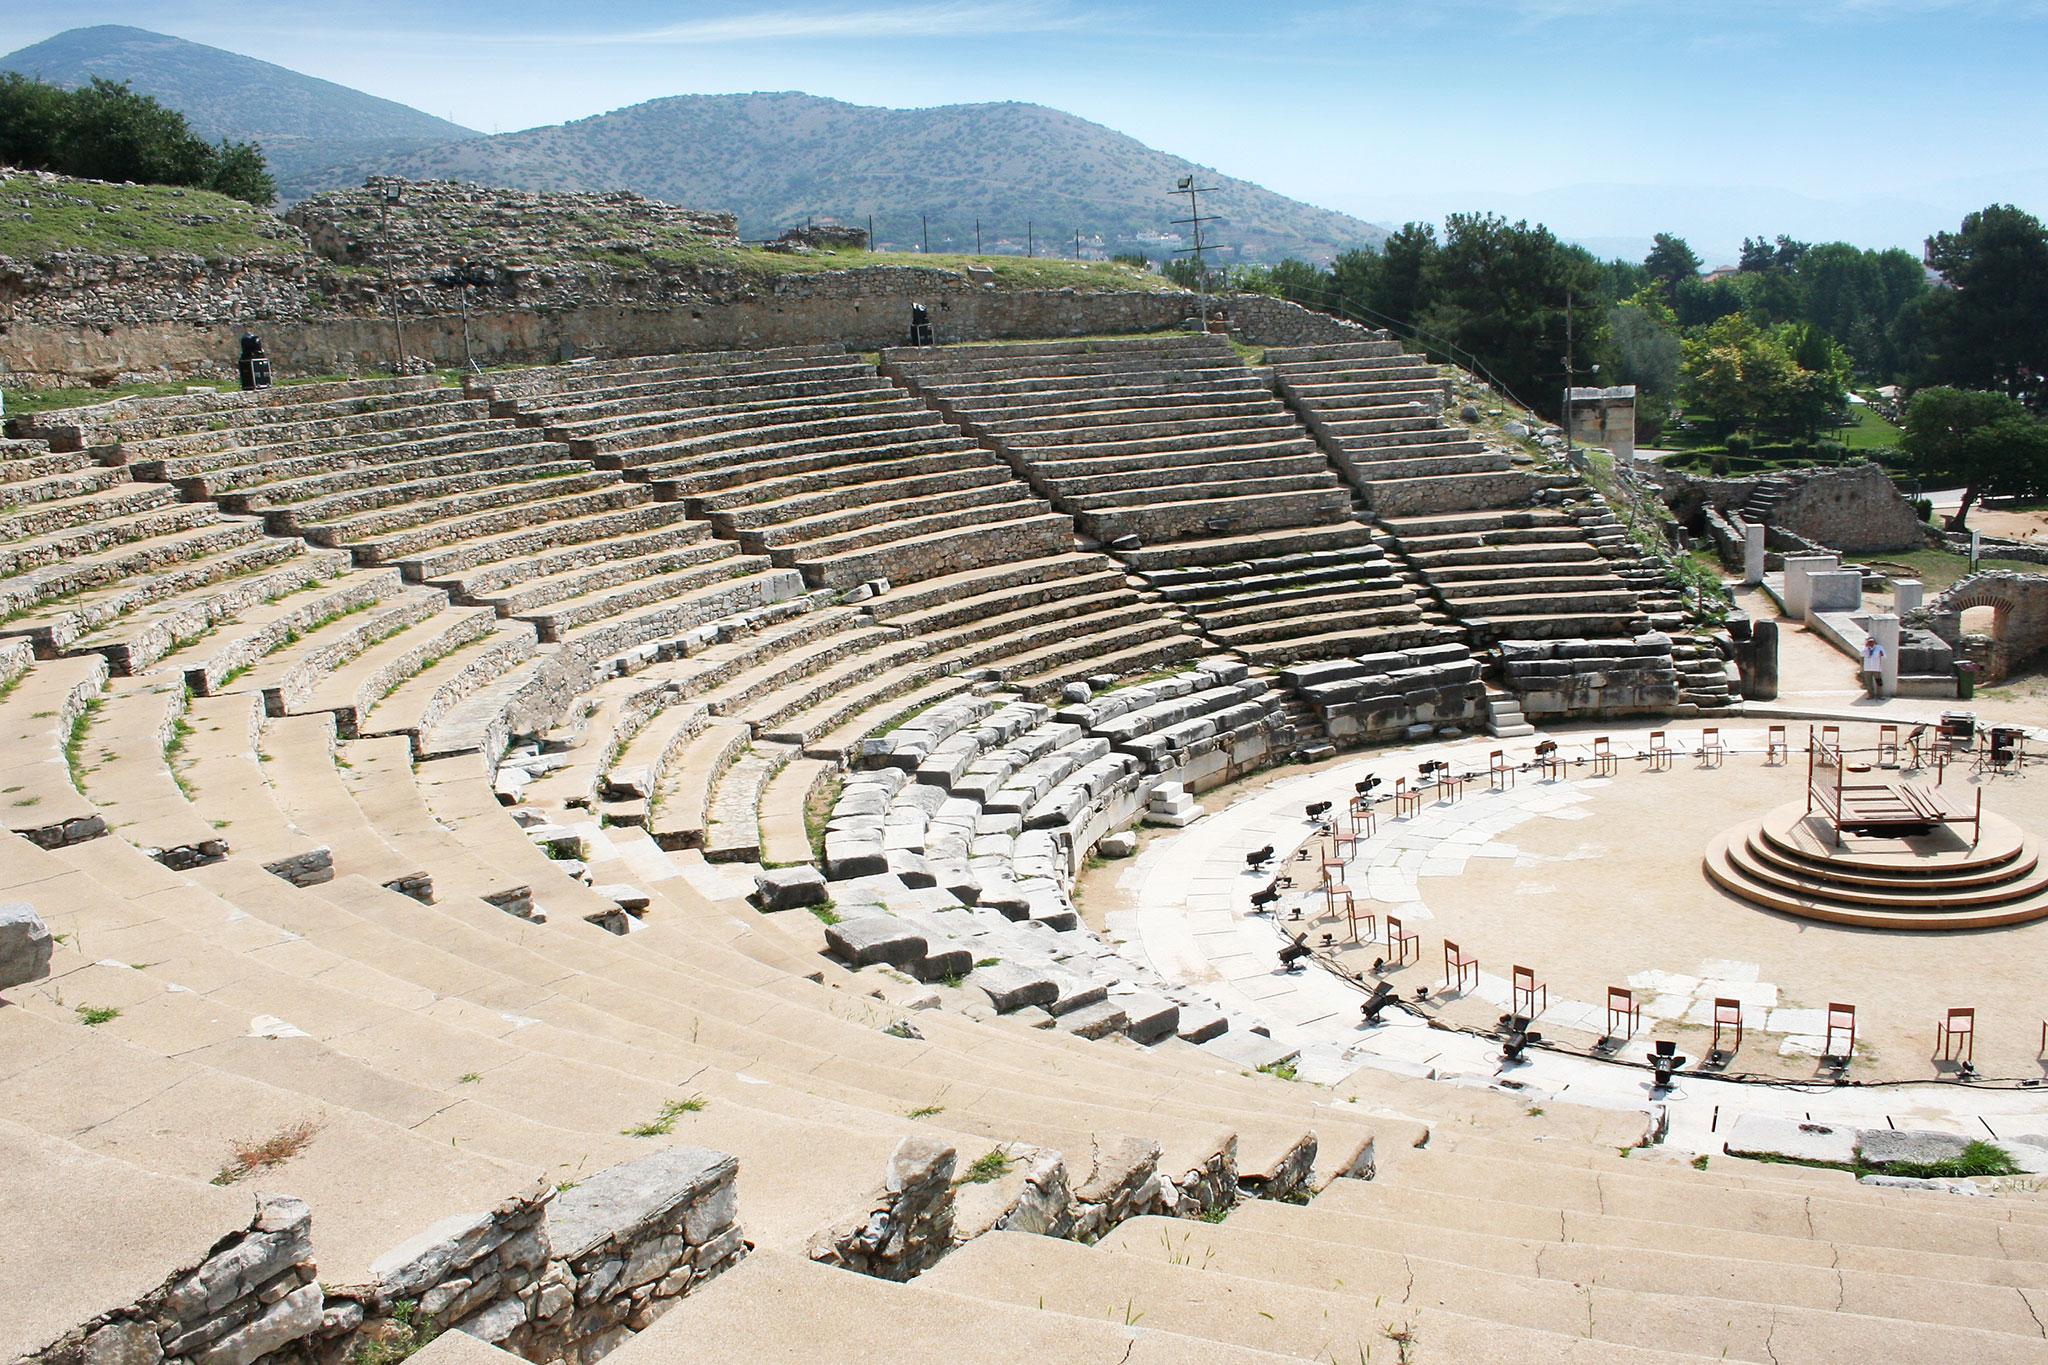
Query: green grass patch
[[993, 1164], [74, 742], [1282, 1070], [402, 1334], [662, 1124], [133, 220], [92, 1016], [825, 912]]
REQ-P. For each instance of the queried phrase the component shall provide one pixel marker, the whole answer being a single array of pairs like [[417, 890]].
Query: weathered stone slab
[[787, 888], [1769, 1135], [1908, 1146], [25, 945], [876, 938], [1011, 987]]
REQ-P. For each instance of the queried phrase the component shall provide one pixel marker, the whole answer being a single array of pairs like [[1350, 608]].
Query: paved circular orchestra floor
[[1591, 882]]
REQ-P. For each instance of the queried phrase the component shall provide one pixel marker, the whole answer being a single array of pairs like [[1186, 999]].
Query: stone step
[[777, 1306], [1215, 483], [776, 494], [285, 677], [800, 465], [701, 573], [550, 501], [866, 507], [915, 548], [934, 596], [1253, 545], [334, 489], [489, 562], [349, 689], [673, 553], [1722, 1330], [225, 473], [410, 507], [124, 522], [1332, 1322], [1182, 519]]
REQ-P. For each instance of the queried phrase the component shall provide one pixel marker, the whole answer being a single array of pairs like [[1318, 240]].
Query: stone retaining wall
[[551, 1275], [1556, 679], [193, 329]]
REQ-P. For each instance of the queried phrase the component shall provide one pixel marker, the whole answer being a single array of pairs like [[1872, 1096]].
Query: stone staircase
[[1176, 457]]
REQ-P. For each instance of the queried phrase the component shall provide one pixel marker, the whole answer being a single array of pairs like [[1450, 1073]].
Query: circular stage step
[[1790, 862]]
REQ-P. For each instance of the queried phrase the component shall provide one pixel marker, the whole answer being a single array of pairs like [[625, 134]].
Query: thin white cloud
[[962, 18]]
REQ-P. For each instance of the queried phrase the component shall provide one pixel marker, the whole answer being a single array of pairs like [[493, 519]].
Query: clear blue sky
[[1380, 108]]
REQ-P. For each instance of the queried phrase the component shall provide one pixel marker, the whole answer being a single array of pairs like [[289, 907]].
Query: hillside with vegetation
[[46, 214], [1031, 176], [303, 124]]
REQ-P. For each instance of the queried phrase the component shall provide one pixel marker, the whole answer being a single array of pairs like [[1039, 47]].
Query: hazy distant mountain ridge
[[303, 124], [777, 159]]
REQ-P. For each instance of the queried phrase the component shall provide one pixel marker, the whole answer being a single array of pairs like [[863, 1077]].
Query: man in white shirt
[[1873, 667]]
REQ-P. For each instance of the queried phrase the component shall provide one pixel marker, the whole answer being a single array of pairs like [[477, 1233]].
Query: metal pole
[[1568, 374], [924, 229], [977, 236], [871, 232], [1030, 239]]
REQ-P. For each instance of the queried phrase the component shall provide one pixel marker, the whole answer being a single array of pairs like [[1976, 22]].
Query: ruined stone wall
[[549, 1275], [1856, 510], [2019, 633]]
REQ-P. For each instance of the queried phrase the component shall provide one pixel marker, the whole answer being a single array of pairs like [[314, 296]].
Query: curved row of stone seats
[[1159, 473], [97, 563], [850, 485], [815, 461], [1378, 412], [488, 510], [1391, 696], [108, 424], [476, 815], [1174, 453], [1522, 574]]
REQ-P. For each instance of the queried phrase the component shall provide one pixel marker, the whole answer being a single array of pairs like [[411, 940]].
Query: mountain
[[303, 124], [777, 160]]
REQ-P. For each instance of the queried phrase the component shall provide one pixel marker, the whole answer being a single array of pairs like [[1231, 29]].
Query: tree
[[1787, 379], [1989, 328], [1987, 441], [1500, 291], [31, 121], [1643, 346], [105, 131], [1670, 262]]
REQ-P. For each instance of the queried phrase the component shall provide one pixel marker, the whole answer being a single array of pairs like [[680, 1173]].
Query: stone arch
[[2019, 624]]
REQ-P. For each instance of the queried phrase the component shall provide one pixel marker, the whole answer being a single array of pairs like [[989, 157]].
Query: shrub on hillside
[[105, 131]]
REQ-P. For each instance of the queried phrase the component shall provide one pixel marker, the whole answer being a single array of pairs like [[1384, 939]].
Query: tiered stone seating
[[810, 458], [1176, 456], [95, 562], [1457, 509], [970, 828]]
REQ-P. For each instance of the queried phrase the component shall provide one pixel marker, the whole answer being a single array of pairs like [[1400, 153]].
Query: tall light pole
[[1195, 219]]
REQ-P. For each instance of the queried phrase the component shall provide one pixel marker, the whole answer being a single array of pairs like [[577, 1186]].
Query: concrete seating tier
[[1181, 473], [1518, 575], [847, 484], [1173, 452]]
